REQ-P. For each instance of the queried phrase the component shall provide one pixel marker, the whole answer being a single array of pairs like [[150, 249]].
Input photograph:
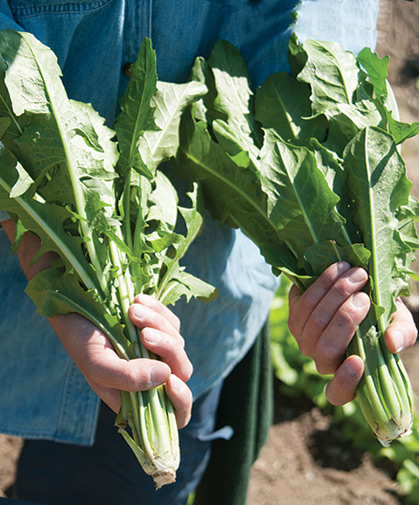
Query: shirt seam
[[72, 8]]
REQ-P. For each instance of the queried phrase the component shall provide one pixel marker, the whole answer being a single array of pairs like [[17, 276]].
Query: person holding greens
[[61, 394]]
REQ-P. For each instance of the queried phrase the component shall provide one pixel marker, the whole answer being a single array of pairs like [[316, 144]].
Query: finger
[[111, 397], [181, 397], [341, 389], [157, 306], [331, 345], [171, 349], [143, 316], [402, 331], [322, 314], [302, 305], [133, 375], [100, 364], [294, 294]]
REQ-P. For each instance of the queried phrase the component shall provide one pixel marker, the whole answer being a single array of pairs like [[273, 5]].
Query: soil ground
[[305, 461]]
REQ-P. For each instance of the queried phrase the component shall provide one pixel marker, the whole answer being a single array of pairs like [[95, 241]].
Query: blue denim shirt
[[42, 393]]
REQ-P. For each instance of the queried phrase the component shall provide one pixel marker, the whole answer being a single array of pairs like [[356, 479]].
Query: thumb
[[134, 375]]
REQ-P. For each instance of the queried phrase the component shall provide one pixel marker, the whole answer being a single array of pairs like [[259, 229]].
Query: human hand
[[324, 318], [107, 374], [94, 355]]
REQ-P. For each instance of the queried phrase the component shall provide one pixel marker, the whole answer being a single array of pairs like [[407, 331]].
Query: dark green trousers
[[246, 404]]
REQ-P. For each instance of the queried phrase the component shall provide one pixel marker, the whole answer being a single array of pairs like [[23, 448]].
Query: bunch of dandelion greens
[[308, 166], [95, 197]]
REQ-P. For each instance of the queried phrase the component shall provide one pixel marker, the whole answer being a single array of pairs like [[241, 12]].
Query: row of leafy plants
[[298, 377]]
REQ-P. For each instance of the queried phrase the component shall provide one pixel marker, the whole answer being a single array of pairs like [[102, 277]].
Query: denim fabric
[[108, 473], [93, 40]]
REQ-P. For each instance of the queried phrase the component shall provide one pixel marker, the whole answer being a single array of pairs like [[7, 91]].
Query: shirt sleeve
[[6, 22]]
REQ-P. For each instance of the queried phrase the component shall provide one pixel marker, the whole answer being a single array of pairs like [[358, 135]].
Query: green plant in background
[[299, 378]]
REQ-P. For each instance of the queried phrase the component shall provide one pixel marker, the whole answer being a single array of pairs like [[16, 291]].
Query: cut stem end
[[163, 477]]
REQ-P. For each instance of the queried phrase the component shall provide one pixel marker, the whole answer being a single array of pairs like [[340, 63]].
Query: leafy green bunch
[[308, 166], [94, 197]]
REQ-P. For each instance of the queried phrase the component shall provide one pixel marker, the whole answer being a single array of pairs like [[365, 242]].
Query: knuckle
[[176, 322], [180, 342], [187, 372], [325, 368], [331, 275], [133, 377], [305, 348], [350, 315], [318, 320], [329, 351], [175, 345], [343, 288]]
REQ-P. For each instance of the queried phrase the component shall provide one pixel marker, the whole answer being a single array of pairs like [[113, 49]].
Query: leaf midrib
[[72, 171], [236, 189], [74, 262]]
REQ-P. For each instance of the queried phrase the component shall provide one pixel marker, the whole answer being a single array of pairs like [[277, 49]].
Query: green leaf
[[234, 100], [4, 125], [56, 293], [23, 183], [174, 281], [376, 175], [185, 284], [169, 101], [323, 254], [299, 198], [332, 74], [376, 68], [282, 103], [61, 134], [137, 112], [43, 219], [402, 131]]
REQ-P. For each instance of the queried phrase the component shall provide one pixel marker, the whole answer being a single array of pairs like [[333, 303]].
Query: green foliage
[[310, 191], [95, 197]]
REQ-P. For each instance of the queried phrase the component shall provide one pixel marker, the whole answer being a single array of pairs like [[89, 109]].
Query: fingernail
[[150, 336], [398, 340], [352, 368], [176, 383], [360, 300], [138, 311], [158, 375], [358, 275], [342, 267]]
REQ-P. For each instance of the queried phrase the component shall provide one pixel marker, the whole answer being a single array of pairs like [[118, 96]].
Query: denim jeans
[[108, 473]]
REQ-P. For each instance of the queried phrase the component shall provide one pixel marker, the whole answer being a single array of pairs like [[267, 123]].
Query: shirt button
[[127, 69]]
